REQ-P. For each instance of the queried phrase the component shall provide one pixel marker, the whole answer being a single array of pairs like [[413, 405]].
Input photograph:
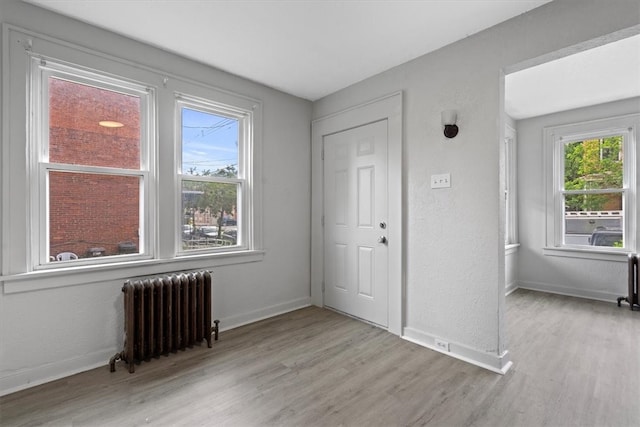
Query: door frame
[[385, 108]]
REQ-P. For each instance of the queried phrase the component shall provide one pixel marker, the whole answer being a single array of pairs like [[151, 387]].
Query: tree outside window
[[212, 177], [593, 191]]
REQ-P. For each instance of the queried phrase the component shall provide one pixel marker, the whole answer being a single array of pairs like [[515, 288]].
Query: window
[[510, 194], [591, 203], [90, 145], [213, 141], [111, 171]]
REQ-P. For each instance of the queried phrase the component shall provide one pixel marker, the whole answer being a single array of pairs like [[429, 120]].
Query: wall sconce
[[449, 118]]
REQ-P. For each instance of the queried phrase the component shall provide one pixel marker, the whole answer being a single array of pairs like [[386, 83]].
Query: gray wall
[[454, 261], [51, 333], [454, 249], [598, 279]]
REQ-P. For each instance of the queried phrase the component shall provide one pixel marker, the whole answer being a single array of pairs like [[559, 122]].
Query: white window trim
[[17, 265], [554, 139], [41, 70], [246, 148], [511, 248], [511, 190]]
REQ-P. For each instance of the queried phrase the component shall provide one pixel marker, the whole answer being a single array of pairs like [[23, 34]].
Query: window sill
[[83, 275], [601, 255], [511, 248]]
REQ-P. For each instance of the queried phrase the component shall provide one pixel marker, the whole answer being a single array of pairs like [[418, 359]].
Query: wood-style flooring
[[576, 363]]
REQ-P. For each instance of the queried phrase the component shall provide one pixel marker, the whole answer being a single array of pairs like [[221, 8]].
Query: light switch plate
[[442, 180]]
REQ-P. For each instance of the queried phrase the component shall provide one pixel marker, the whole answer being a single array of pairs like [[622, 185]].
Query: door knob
[[382, 239]]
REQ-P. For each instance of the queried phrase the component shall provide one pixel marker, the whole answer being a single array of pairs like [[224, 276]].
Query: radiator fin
[[164, 314]]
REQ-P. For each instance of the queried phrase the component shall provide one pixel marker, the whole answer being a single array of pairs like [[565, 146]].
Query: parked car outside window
[[606, 238]]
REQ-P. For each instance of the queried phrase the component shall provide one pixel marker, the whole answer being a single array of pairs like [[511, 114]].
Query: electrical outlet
[[441, 181], [442, 345]]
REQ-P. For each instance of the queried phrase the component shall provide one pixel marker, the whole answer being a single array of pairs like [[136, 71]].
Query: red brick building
[[93, 210]]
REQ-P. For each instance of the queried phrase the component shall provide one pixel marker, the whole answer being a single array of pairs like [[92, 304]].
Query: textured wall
[[454, 244]]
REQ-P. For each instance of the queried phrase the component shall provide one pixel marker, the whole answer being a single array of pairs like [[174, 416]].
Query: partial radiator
[[163, 314], [632, 298]]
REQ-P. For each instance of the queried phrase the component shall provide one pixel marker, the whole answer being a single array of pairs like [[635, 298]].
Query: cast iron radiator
[[163, 314], [632, 298]]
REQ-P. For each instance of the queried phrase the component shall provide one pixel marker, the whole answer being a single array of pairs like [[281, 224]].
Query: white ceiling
[[308, 48], [595, 76], [312, 48]]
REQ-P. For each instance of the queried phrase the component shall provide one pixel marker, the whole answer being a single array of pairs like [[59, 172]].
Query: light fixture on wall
[[449, 118]]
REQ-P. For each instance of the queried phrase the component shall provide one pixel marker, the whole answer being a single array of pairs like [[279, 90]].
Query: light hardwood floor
[[576, 363]]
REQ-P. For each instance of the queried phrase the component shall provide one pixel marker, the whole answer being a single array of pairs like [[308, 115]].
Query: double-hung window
[[591, 199], [90, 152], [215, 150], [112, 169]]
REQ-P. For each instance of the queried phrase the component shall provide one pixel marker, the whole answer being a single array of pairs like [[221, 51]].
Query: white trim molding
[[87, 274], [25, 267], [386, 108], [498, 363], [31, 377], [569, 291], [41, 374], [242, 319], [511, 288], [555, 138], [511, 186]]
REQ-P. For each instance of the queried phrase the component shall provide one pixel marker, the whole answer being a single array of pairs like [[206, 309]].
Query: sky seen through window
[[209, 142]]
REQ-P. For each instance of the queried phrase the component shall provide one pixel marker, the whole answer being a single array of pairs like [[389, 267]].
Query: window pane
[[76, 135], [93, 214], [593, 202], [594, 219], [209, 214], [209, 144], [593, 164]]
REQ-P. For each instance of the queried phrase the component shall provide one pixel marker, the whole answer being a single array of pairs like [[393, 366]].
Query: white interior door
[[355, 222]]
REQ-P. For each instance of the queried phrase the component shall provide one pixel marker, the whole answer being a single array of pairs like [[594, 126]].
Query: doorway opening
[[574, 114]]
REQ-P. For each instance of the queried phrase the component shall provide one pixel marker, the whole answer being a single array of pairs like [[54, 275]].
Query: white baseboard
[[568, 291], [33, 376], [238, 320], [499, 364], [511, 288], [30, 377]]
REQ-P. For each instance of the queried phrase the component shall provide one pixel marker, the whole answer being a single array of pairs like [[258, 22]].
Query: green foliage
[[216, 197], [589, 165]]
